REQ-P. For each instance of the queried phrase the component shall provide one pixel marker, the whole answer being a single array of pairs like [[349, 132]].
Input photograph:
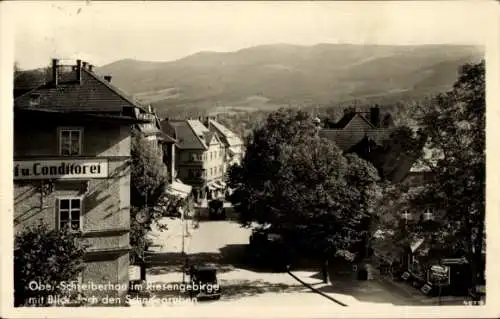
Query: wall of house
[[214, 163], [186, 163], [106, 202]]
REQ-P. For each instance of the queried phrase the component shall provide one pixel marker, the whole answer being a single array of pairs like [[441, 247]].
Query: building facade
[[72, 139], [233, 144], [199, 159]]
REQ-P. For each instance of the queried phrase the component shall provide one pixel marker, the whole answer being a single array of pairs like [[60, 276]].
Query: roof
[[198, 127], [189, 134], [185, 135], [227, 135], [348, 138], [347, 118], [94, 94], [177, 188], [209, 136]]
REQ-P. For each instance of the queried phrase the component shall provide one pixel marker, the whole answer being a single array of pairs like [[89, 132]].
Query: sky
[[163, 31]]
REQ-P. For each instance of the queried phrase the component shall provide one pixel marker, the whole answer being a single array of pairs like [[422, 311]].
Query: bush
[[47, 257]]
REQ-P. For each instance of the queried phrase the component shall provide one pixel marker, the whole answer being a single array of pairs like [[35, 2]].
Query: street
[[223, 243]]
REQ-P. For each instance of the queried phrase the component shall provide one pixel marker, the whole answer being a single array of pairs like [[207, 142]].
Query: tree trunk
[[142, 267], [474, 253], [324, 271]]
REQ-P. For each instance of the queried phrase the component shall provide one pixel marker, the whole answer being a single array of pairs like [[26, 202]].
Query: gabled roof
[[184, 134], [94, 94], [190, 134], [227, 136], [209, 136], [348, 117]]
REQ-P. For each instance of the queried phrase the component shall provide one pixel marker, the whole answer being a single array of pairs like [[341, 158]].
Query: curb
[[316, 290]]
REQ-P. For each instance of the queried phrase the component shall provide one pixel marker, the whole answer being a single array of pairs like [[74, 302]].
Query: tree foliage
[[454, 129], [149, 179], [47, 257], [455, 126], [296, 181], [149, 173]]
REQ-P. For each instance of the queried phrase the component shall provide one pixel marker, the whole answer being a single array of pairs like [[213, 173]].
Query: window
[[70, 213], [70, 141], [194, 157]]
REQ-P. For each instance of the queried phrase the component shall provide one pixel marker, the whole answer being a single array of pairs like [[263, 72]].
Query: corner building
[[72, 138]]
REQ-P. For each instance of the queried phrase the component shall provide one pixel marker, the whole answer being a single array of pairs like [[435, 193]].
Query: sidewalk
[[417, 295], [170, 240], [379, 291]]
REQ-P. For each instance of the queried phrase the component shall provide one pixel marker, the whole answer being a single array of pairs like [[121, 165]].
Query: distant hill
[[273, 75]]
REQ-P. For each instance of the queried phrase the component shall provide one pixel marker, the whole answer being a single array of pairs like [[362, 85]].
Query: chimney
[[107, 78], [55, 72], [84, 65], [91, 67], [79, 71], [375, 116]]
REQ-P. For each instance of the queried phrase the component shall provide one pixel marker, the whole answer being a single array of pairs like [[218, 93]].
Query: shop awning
[[177, 188], [218, 184]]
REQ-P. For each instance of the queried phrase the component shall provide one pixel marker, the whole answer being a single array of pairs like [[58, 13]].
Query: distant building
[[365, 133], [233, 144], [355, 125], [72, 138], [200, 156], [165, 145]]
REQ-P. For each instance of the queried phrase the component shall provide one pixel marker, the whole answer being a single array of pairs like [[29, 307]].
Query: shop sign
[[405, 276], [426, 289], [60, 169], [439, 275]]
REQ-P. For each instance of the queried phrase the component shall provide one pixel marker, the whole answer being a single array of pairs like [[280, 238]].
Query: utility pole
[[182, 247]]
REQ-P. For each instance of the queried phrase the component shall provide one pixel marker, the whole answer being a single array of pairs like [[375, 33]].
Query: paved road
[[223, 243]]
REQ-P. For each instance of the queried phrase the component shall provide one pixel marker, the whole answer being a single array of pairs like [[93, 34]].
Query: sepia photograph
[[324, 156]]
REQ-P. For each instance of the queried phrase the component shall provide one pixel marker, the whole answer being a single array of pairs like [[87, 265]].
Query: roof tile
[[228, 136], [93, 95], [184, 134]]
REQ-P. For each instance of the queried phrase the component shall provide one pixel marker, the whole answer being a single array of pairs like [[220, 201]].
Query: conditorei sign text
[[61, 169]]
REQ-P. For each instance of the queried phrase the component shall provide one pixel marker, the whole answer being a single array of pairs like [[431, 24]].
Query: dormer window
[[34, 99]]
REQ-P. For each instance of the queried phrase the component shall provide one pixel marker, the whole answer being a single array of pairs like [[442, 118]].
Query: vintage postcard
[[249, 159]]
